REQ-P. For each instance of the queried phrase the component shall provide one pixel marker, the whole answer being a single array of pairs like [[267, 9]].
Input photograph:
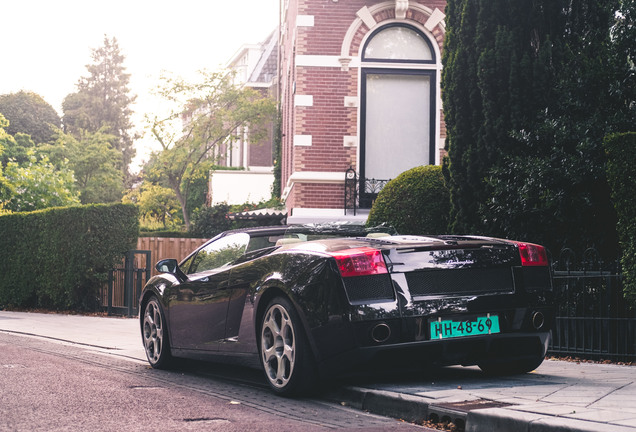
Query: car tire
[[512, 367], [284, 350], [154, 332]]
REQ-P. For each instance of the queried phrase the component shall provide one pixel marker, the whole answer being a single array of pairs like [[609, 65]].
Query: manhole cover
[[472, 405]]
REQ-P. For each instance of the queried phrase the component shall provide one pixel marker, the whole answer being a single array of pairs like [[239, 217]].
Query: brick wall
[[313, 195], [332, 126]]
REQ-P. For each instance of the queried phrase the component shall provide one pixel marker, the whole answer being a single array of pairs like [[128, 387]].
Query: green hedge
[[621, 176], [59, 258], [415, 202]]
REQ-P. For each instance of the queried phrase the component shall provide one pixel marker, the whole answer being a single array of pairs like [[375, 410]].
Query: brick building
[[359, 88]]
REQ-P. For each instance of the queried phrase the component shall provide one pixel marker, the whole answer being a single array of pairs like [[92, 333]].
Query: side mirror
[[171, 266], [167, 266]]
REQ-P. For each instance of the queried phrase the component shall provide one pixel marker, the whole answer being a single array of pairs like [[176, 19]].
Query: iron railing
[[593, 320], [125, 283], [360, 193], [351, 191]]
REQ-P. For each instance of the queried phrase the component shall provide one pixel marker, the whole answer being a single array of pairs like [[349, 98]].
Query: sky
[[45, 45]]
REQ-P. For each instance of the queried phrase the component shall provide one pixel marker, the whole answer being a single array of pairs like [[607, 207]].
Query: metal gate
[[360, 193], [593, 319], [125, 284]]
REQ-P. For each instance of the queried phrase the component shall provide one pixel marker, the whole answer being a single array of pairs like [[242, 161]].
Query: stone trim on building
[[320, 79]]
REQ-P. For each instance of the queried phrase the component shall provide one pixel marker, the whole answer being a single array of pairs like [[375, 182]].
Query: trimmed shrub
[[621, 176], [210, 221], [207, 222], [58, 258], [415, 202]]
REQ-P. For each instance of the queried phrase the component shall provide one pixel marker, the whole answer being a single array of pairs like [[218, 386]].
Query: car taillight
[[359, 262], [532, 254]]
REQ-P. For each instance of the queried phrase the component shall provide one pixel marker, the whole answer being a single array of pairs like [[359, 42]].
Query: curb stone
[[403, 406], [500, 419], [406, 407], [416, 409]]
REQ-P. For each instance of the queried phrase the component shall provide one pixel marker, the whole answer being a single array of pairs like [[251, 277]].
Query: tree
[[621, 173], [210, 221], [532, 167], [13, 148], [208, 113], [496, 76], [38, 185], [16, 148], [29, 114], [94, 162], [154, 202], [6, 190], [569, 184], [623, 36], [103, 100]]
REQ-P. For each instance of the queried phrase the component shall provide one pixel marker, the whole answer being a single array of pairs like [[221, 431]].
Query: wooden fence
[[121, 293], [161, 248]]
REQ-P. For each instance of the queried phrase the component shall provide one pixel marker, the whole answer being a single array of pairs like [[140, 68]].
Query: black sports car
[[304, 303]]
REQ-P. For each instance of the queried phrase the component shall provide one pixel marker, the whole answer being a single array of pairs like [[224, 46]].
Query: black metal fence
[[593, 320], [360, 193], [121, 295]]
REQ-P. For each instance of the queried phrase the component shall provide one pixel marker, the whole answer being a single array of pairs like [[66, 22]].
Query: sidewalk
[[112, 335], [559, 396]]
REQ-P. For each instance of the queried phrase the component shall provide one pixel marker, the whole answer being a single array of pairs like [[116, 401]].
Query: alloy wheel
[[153, 331], [278, 345]]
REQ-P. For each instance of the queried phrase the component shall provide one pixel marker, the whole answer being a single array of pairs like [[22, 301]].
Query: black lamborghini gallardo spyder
[[310, 302]]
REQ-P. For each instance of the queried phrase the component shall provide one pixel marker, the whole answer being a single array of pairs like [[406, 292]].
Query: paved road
[[557, 396], [48, 386]]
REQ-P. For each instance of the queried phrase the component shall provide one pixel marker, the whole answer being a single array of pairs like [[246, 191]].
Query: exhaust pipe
[[538, 320], [380, 333]]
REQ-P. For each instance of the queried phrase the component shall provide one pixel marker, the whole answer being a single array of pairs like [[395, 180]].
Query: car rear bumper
[[504, 347]]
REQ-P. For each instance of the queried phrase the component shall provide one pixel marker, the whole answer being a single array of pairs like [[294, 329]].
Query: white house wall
[[238, 187]]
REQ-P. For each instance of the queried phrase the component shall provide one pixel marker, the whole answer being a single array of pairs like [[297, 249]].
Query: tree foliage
[[621, 173], [530, 90], [277, 188], [13, 148], [103, 101], [16, 148], [210, 221], [207, 114], [94, 162], [34, 183], [6, 190], [39, 185], [496, 76], [28, 113], [155, 203], [623, 37]]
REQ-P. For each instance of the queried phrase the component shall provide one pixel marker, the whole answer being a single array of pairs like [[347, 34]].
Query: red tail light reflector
[[360, 262], [532, 254]]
